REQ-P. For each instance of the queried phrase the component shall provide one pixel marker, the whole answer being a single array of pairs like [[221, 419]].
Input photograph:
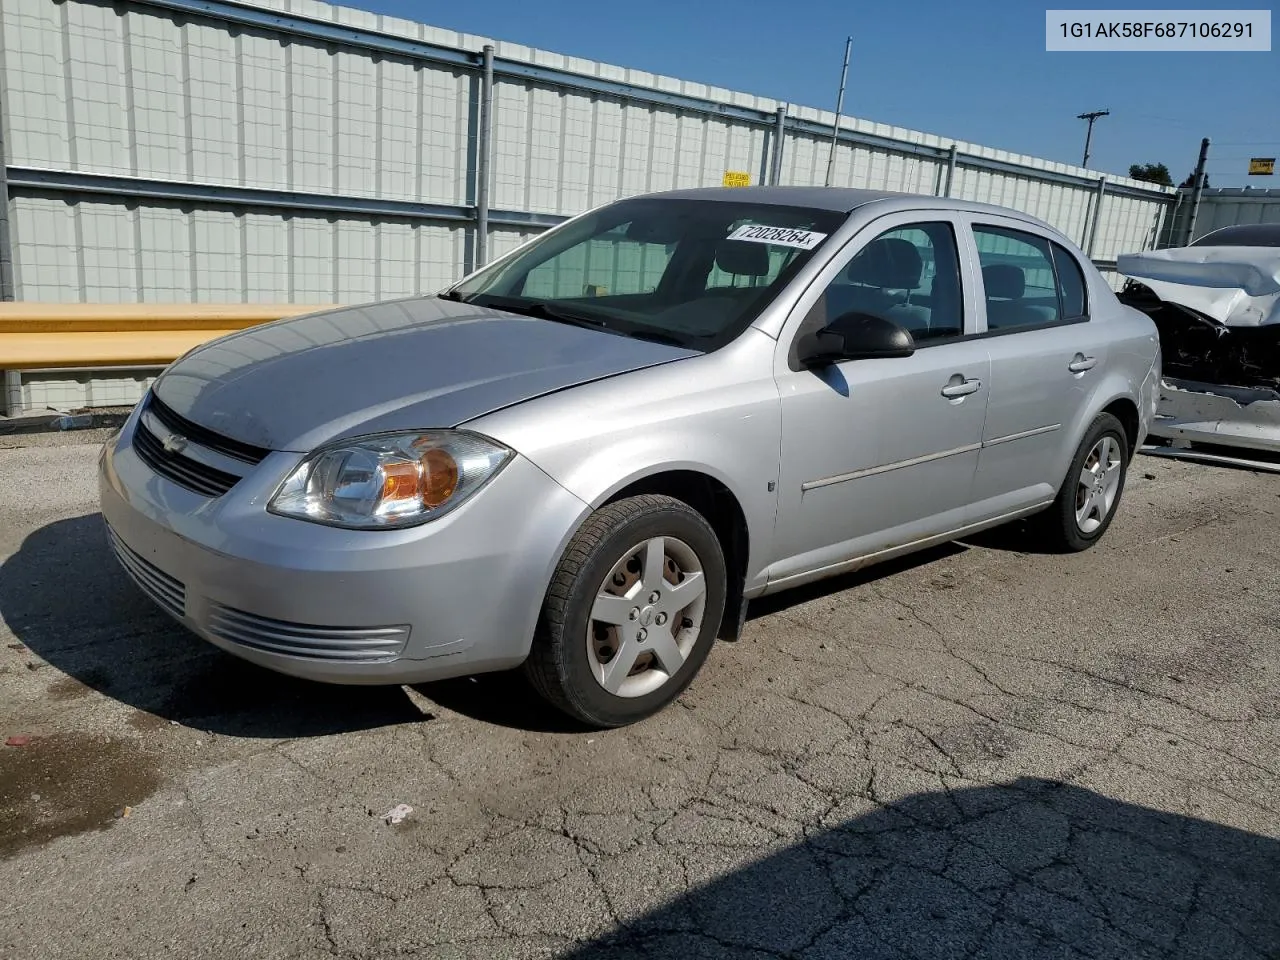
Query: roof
[[847, 199], [842, 199]]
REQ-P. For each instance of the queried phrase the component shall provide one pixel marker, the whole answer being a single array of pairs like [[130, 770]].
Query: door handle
[[1081, 363], [960, 388]]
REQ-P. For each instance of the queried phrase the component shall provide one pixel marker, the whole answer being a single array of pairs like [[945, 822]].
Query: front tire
[[1090, 494], [631, 613]]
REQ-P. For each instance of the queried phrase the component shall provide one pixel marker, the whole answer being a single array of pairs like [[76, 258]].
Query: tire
[[584, 674], [1060, 526]]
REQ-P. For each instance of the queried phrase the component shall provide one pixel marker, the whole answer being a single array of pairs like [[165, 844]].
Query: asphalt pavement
[[981, 752]]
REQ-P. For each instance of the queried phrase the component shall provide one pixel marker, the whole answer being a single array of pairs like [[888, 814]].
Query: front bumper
[[1217, 414], [455, 596]]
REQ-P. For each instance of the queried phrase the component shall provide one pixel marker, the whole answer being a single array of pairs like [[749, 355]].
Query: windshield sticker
[[781, 236]]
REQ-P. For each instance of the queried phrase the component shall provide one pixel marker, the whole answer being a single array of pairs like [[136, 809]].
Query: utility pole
[[1197, 188], [1088, 137], [835, 127]]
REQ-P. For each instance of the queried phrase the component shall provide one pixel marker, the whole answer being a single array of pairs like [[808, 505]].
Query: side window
[[911, 275], [603, 266], [1071, 283], [1027, 281]]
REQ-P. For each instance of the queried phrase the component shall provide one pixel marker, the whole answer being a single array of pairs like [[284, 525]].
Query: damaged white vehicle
[[1217, 306]]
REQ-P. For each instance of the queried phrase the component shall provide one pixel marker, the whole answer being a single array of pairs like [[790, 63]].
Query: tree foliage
[[1151, 173]]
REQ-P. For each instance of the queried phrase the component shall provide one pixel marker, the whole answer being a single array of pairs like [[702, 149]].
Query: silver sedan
[[586, 457]]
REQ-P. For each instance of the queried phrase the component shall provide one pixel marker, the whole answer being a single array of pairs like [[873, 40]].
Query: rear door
[[1044, 361]]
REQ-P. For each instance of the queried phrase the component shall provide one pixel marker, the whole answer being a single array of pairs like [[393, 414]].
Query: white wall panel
[[355, 276], [266, 112], [442, 246], [38, 131], [357, 144], [636, 150], [157, 83], [446, 144], [397, 259], [47, 253], [213, 104], [219, 256], [100, 111], [399, 130], [109, 252], [266, 261], [311, 119], [313, 251], [110, 257], [164, 245]]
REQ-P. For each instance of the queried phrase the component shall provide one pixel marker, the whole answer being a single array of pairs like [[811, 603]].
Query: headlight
[[390, 480]]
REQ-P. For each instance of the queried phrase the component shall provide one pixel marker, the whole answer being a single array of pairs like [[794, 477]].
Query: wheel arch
[[1125, 410], [1115, 395], [716, 501]]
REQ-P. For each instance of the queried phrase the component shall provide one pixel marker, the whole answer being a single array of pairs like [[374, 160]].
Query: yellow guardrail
[[44, 335]]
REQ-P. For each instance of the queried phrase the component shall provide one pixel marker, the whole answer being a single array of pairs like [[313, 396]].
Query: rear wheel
[[1089, 496], [631, 613]]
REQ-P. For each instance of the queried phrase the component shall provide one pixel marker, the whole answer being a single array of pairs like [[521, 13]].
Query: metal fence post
[[1097, 216], [6, 242], [1197, 190], [484, 135], [779, 133], [951, 169]]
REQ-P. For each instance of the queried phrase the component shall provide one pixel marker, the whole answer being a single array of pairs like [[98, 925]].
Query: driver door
[[879, 453]]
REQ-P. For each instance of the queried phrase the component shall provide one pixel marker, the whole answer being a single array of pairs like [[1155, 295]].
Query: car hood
[[1236, 286], [403, 364]]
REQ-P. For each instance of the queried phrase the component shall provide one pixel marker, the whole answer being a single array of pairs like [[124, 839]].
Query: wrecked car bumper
[[1195, 412]]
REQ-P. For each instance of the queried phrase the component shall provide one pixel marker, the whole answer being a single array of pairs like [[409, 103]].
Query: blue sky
[[973, 71]]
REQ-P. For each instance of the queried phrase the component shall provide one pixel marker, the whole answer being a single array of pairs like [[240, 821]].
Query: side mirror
[[855, 336]]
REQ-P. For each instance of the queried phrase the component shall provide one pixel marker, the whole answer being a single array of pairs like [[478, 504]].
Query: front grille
[[204, 437], [165, 590], [346, 644], [190, 473]]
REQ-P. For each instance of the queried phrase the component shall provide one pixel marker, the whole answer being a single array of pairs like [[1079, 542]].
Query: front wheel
[[1089, 496], [631, 613]]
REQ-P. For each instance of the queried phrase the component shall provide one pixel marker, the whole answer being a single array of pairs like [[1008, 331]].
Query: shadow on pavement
[[1028, 871], [65, 597], [1018, 536], [504, 699]]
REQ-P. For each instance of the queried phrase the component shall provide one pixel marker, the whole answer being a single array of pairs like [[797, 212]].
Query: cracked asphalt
[[980, 752]]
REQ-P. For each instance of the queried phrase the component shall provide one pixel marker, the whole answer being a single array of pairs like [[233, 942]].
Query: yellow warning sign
[[736, 178], [1258, 167]]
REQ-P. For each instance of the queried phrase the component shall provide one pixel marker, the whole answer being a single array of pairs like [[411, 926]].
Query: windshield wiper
[[541, 309]]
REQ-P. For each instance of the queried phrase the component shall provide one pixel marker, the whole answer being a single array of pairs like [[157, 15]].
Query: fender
[[716, 414], [1115, 385]]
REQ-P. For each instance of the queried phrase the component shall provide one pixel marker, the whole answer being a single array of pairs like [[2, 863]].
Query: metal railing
[[44, 335]]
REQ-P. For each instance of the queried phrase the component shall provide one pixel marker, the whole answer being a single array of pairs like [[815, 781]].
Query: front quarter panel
[[716, 414]]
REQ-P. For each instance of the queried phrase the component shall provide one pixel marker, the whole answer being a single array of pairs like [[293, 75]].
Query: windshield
[[1242, 235], [690, 272]]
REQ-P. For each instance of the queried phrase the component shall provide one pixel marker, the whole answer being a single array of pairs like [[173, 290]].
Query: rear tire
[[631, 613], [1090, 494]]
